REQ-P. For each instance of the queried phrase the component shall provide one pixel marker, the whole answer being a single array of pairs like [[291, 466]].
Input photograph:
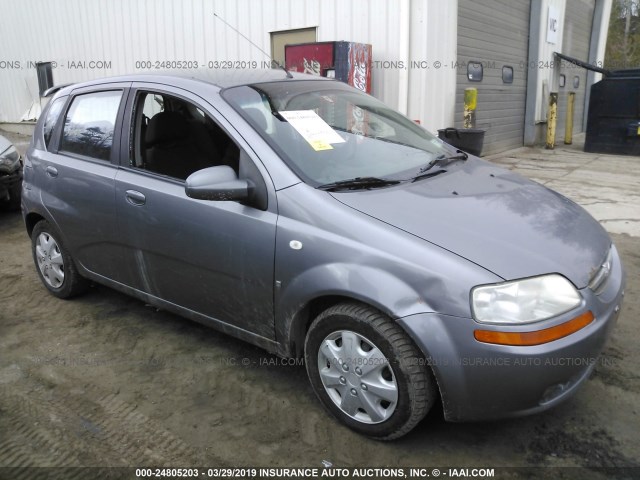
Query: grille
[[599, 279]]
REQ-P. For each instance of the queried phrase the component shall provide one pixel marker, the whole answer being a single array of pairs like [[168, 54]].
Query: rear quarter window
[[90, 123], [52, 118]]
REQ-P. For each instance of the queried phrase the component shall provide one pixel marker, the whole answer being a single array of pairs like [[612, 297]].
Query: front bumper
[[481, 381]]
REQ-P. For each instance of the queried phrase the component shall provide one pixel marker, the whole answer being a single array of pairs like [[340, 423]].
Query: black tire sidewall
[[67, 288], [332, 323]]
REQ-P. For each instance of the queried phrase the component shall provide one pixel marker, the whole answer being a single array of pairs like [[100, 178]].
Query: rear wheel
[[367, 372], [54, 264]]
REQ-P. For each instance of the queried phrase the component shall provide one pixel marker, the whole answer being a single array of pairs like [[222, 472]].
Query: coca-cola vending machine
[[349, 62]]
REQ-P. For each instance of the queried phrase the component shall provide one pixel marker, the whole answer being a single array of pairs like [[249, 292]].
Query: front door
[[215, 258]]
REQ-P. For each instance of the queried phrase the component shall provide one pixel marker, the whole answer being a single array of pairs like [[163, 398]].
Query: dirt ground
[[107, 380]]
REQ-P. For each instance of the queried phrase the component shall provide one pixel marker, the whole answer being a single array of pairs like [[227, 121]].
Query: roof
[[234, 78], [220, 78]]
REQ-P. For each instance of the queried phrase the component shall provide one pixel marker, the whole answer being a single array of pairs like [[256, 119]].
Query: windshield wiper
[[356, 183], [442, 159], [420, 176]]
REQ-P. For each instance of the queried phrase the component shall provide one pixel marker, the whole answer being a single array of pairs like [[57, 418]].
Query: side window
[[173, 137], [89, 124], [52, 118], [153, 104]]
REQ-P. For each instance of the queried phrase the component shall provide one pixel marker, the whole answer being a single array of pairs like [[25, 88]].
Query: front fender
[[327, 284], [327, 252], [370, 285]]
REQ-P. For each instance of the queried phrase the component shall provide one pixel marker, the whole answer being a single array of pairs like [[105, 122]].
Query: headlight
[[524, 301], [10, 157]]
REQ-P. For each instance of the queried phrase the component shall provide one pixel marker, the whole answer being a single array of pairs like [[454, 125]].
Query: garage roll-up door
[[495, 33]]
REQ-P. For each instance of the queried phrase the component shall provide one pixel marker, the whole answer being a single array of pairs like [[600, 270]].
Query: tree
[[623, 41]]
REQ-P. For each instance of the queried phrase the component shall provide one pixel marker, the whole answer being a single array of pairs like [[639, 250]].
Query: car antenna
[[255, 45]]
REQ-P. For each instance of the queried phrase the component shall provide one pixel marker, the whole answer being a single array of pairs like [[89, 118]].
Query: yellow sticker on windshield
[[320, 145], [313, 129]]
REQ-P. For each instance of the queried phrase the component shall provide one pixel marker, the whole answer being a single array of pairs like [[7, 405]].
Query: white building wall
[[598, 56], [547, 78], [433, 43], [119, 33]]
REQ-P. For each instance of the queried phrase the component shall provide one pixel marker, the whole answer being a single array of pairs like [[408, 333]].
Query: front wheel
[[54, 264], [367, 372]]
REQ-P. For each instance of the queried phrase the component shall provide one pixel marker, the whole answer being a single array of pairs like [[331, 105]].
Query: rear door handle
[[51, 171], [135, 198]]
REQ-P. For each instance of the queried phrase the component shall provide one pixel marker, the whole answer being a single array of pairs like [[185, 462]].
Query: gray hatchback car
[[308, 218]]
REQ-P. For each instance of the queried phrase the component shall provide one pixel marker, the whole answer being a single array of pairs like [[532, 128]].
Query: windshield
[[328, 131]]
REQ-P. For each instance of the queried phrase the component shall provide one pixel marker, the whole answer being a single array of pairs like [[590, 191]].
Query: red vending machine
[[348, 62]]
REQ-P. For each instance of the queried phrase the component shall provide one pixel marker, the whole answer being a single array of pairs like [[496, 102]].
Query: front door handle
[[135, 198], [51, 171]]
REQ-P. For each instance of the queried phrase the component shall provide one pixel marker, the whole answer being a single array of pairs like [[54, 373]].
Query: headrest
[[166, 127]]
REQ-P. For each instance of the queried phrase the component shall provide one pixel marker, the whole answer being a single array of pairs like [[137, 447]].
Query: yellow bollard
[[470, 104], [552, 116], [568, 128]]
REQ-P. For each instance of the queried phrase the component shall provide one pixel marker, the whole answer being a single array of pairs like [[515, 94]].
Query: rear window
[[52, 118], [90, 123]]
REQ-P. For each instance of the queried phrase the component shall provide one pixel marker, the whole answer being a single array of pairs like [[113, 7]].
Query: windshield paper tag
[[313, 128]]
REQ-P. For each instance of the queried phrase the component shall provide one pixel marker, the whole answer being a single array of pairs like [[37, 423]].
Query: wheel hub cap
[[357, 377], [49, 260]]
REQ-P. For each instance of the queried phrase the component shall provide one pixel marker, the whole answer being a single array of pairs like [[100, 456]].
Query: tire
[[380, 387], [53, 263]]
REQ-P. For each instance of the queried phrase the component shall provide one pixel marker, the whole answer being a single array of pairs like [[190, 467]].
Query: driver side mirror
[[219, 183]]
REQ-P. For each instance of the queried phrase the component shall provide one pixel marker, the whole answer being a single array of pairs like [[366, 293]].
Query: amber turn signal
[[537, 337]]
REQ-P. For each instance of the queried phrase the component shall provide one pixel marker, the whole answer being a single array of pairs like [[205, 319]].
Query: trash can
[[613, 121], [468, 140]]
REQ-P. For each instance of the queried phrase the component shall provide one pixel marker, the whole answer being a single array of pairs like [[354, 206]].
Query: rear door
[[77, 177], [214, 258]]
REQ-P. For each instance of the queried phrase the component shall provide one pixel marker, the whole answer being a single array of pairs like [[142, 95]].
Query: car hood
[[509, 225]]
